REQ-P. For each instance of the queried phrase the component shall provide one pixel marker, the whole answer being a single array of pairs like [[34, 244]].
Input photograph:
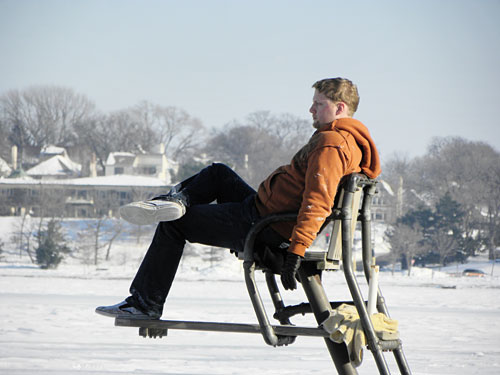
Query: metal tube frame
[[311, 282], [369, 191], [310, 278], [347, 217]]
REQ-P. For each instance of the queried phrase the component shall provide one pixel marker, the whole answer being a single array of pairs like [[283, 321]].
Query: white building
[[78, 197], [55, 184], [151, 164]]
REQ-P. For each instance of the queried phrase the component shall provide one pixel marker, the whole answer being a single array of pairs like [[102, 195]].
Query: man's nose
[[311, 109]]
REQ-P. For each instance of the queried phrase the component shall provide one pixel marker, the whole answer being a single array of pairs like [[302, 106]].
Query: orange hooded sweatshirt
[[308, 185]]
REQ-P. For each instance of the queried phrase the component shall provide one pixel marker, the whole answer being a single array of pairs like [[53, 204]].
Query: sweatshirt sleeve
[[325, 167]]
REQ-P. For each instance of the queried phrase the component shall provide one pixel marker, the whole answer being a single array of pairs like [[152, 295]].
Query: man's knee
[[221, 171], [222, 167]]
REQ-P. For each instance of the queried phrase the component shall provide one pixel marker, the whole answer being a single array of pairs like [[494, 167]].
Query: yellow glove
[[344, 326]]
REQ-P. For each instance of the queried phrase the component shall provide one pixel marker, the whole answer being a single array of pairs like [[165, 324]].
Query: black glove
[[292, 264]]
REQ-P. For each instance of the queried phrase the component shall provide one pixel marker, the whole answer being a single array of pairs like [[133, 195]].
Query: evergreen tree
[[446, 234], [443, 231], [51, 245]]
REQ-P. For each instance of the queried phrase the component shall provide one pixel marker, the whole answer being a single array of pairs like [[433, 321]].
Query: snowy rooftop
[[120, 158], [53, 150], [4, 167], [55, 166]]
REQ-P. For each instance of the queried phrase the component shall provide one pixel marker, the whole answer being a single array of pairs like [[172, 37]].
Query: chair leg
[[276, 297], [311, 282]]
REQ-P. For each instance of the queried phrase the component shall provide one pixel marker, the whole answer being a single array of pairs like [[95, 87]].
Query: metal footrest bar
[[303, 308], [219, 327]]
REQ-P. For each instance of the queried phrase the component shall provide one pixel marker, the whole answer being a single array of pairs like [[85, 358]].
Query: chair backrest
[[348, 200], [335, 245], [329, 259]]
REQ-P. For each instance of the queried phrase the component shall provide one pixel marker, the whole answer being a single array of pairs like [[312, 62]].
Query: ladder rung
[[389, 345]]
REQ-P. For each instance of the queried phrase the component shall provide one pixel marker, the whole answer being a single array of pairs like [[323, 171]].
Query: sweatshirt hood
[[370, 164]]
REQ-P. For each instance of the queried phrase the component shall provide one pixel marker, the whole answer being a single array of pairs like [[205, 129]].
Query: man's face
[[324, 110]]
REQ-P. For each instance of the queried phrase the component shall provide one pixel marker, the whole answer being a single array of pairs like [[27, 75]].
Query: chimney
[[93, 166], [14, 157]]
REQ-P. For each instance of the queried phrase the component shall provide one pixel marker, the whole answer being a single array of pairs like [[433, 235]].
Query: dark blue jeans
[[223, 224]]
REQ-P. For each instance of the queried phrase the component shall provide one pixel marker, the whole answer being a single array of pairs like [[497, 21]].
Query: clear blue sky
[[423, 68]]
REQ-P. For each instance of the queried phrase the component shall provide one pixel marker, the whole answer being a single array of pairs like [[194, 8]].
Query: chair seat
[[320, 257]]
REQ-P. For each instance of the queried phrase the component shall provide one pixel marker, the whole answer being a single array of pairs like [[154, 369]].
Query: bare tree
[[114, 232], [43, 115], [100, 233], [293, 131], [2, 244], [23, 235], [444, 244], [117, 131], [179, 132], [252, 152], [98, 238], [406, 243], [397, 172], [5, 133], [259, 144], [141, 232], [139, 129]]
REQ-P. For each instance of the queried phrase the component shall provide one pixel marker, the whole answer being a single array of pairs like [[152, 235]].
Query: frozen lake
[[48, 326]]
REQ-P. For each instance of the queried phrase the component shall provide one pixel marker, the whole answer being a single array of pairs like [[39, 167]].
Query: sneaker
[[123, 310], [162, 208]]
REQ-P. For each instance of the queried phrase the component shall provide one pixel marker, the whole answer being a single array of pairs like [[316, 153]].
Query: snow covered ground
[[448, 324]]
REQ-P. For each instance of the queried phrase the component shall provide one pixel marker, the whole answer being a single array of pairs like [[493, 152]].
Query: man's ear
[[341, 108]]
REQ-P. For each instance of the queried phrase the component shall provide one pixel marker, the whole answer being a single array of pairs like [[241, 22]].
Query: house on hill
[[55, 184], [56, 167], [150, 164], [119, 163]]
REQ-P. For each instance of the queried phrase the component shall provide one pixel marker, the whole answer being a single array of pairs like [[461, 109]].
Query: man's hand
[[292, 264]]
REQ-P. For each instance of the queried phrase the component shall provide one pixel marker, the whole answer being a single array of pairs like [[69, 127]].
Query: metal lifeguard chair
[[352, 204]]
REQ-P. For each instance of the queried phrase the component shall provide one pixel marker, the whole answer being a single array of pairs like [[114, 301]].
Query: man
[[340, 146]]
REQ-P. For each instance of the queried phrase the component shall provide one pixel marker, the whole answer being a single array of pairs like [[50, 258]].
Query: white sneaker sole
[[151, 212]]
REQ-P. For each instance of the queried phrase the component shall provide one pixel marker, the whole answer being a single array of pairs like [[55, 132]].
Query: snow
[[48, 325], [4, 168], [114, 180], [387, 187]]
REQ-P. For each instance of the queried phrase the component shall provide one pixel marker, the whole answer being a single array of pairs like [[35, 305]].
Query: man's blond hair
[[339, 90]]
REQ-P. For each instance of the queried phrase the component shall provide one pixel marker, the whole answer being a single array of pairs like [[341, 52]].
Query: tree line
[[50, 115], [445, 204], [39, 116]]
